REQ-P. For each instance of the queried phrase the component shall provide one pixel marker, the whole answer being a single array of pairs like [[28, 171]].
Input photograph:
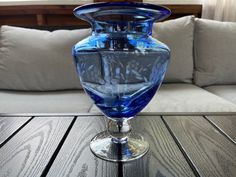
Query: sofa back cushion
[[38, 60], [178, 35], [215, 52]]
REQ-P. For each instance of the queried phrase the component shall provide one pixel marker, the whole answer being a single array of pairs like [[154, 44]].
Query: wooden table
[[58, 145]]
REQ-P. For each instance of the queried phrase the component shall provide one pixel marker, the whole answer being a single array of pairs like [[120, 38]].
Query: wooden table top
[[58, 146]]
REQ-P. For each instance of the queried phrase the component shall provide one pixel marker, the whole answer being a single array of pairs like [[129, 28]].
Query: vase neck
[[125, 27], [122, 17]]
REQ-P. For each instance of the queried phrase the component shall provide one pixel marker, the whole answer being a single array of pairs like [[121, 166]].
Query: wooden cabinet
[[62, 15]]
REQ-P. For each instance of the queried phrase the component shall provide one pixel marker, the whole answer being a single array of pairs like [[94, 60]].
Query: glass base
[[104, 146]]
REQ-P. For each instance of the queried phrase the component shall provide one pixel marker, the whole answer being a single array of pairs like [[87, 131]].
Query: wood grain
[[75, 157], [29, 151], [226, 124], [8, 125], [211, 152], [163, 159]]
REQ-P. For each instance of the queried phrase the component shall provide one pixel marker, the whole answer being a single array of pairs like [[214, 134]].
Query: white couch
[[37, 73]]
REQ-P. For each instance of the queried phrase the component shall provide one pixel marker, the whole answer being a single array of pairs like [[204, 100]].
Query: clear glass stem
[[119, 130], [118, 143]]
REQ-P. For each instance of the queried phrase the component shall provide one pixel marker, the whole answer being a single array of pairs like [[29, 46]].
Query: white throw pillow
[[38, 60], [215, 52], [178, 35]]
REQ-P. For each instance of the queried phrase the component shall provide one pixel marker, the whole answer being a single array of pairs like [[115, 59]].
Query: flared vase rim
[[152, 12]]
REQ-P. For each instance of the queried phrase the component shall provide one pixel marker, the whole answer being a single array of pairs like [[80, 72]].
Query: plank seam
[[100, 114], [220, 130], [54, 155], [181, 148], [120, 169], [15, 132]]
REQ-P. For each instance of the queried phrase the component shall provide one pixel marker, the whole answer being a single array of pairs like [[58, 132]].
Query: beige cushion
[[38, 60], [185, 98], [44, 102], [228, 92], [215, 52], [178, 35]]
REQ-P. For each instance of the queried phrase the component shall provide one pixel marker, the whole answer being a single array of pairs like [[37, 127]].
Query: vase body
[[120, 65]]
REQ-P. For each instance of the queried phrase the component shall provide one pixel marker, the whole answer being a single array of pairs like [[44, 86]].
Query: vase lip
[[150, 11]]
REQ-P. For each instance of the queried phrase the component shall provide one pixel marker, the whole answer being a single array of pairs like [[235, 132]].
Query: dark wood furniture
[[61, 15], [58, 145]]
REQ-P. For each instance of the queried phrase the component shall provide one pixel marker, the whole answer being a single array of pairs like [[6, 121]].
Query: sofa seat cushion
[[185, 98], [228, 92], [44, 102]]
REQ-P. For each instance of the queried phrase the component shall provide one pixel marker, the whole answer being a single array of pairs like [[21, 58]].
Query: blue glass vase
[[120, 67]]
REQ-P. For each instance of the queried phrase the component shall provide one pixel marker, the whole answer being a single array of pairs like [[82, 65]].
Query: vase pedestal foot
[[105, 147]]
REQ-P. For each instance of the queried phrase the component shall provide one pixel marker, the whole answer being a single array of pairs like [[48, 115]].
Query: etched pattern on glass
[[121, 83]]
